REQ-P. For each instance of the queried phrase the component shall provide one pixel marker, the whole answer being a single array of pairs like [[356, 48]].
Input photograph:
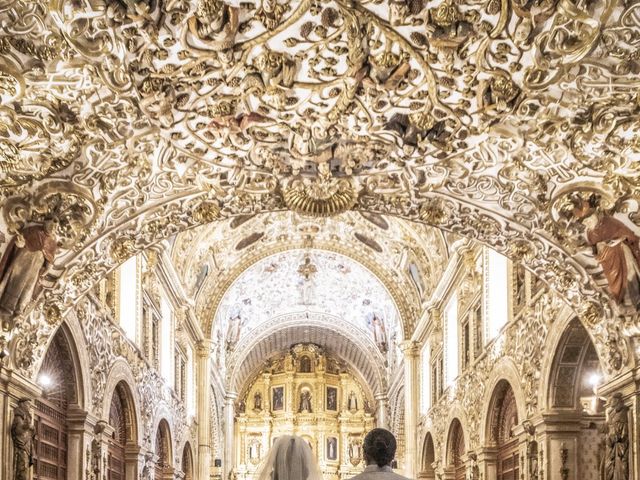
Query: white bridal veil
[[290, 458]]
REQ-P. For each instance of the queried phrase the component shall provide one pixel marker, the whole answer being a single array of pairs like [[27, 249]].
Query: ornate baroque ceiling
[[303, 281], [125, 122], [408, 258]]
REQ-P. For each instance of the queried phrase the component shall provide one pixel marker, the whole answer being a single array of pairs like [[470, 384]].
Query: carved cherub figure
[[499, 93], [275, 69], [215, 23], [270, 13], [447, 26], [418, 127]]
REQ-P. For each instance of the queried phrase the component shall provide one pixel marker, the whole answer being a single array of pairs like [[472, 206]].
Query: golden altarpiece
[[310, 393]]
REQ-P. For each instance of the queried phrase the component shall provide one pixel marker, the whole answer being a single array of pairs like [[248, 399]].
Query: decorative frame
[[332, 449], [277, 398], [332, 399]]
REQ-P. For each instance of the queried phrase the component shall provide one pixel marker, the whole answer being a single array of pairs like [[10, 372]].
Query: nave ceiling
[[211, 258], [124, 123]]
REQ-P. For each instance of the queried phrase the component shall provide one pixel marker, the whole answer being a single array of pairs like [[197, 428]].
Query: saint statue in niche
[[355, 452], [617, 440], [352, 404], [332, 448], [332, 398], [254, 451], [305, 401], [305, 364], [617, 249], [23, 264], [257, 401], [376, 325], [22, 433]]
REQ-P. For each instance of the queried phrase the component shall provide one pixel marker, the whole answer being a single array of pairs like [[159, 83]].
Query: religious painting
[[332, 448], [277, 398], [332, 398]]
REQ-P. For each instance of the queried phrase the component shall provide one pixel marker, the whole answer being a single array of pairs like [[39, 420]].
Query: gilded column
[[229, 437], [203, 403], [411, 352], [382, 403]]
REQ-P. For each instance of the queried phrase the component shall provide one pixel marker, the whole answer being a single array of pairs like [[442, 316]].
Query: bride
[[290, 458]]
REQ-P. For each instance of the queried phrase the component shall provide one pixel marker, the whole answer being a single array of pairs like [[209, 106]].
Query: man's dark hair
[[379, 447]]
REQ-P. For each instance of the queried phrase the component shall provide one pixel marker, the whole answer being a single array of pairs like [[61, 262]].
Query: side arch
[[163, 449], [122, 419], [456, 449], [505, 370], [120, 374], [428, 458], [187, 462]]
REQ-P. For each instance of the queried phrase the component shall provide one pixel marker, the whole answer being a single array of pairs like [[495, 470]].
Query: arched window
[[58, 379]]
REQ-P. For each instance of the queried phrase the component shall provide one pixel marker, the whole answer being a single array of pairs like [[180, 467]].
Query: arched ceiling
[[342, 341], [123, 123], [301, 281], [408, 257]]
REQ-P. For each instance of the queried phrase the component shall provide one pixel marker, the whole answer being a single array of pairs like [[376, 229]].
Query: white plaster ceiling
[[275, 286]]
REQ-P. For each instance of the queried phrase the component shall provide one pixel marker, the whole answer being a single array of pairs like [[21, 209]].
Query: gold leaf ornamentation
[[323, 198]]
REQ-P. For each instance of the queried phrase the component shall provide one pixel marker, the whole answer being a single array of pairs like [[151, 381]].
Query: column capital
[[380, 397], [230, 397], [435, 311], [410, 348], [204, 348]]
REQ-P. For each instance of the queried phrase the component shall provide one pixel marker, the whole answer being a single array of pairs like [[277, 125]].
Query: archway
[[187, 462], [428, 458], [572, 400], [456, 450], [575, 371], [122, 421], [58, 377], [163, 451], [503, 417]]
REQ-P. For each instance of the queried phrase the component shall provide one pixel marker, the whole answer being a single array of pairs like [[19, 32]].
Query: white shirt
[[374, 472]]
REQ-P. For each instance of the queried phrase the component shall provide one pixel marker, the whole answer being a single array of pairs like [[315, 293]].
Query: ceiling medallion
[[324, 197]]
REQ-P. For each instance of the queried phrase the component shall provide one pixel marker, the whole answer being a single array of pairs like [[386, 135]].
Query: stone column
[[81, 428], [229, 432], [411, 352], [344, 394], [203, 405], [382, 402]]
